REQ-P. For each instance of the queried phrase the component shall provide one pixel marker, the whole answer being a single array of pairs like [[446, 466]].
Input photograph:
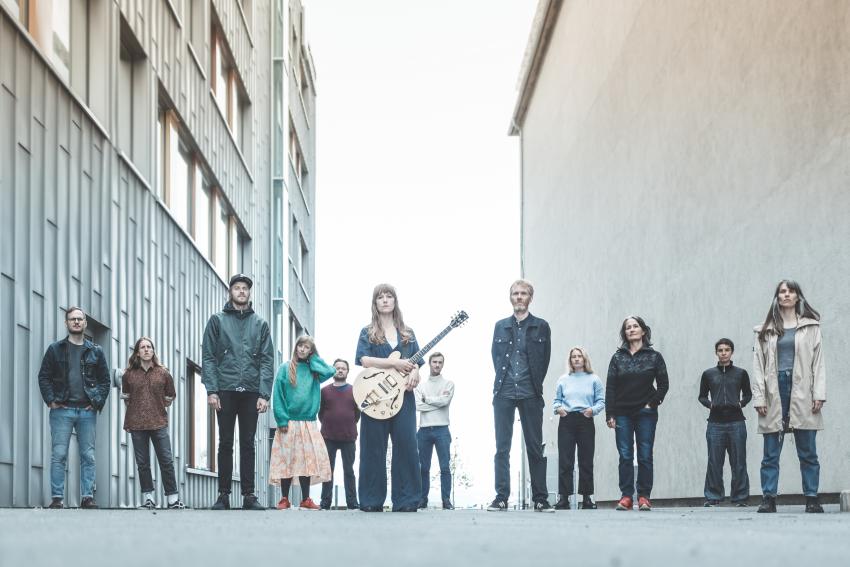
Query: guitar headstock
[[459, 319]]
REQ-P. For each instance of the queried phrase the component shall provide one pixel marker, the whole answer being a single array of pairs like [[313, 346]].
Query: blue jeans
[[806, 452], [428, 438], [723, 438], [374, 433], [62, 422], [637, 429]]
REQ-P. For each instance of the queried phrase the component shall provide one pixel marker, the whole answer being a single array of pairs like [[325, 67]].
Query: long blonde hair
[[293, 362], [374, 330], [587, 367]]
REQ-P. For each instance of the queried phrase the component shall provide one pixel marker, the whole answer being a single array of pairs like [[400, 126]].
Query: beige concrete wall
[[678, 159]]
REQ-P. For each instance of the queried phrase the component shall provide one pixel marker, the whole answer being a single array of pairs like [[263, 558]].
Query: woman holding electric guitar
[[386, 334]]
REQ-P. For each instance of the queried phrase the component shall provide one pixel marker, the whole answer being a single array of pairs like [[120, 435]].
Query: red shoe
[[284, 504], [644, 505], [308, 504], [625, 503]]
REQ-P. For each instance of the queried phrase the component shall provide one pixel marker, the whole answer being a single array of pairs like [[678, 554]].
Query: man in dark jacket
[[521, 351], [238, 373], [74, 383], [725, 389]]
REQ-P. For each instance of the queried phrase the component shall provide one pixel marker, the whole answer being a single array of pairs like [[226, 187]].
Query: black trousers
[[142, 441], [241, 405], [347, 450], [531, 420], [575, 429]]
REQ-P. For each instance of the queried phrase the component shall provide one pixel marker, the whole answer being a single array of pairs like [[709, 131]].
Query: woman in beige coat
[[789, 389]]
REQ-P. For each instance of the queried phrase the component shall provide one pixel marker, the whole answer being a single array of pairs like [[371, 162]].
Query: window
[[203, 216], [295, 155], [302, 259], [201, 423], [195, 203], [132, 99], [227, 89], [17, 8]]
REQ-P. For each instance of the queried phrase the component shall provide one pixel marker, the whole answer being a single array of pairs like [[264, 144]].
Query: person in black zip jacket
[[725, 389], [637, 384]]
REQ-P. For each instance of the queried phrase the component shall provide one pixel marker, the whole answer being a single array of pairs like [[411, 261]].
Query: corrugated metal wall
[[81, 225]]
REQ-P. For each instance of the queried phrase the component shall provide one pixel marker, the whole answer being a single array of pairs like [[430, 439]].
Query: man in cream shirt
[[433, 397]]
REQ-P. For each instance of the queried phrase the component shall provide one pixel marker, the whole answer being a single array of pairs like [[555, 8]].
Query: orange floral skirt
[[301, 451]]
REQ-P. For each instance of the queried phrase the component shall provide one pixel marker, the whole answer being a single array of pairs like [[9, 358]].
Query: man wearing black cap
[[238, 373]]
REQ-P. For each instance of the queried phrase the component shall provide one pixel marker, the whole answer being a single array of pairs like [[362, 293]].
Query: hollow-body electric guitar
[[379, 392]]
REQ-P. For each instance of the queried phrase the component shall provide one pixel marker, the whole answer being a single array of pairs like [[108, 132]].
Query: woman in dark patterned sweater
[[147, 389], [637, 384]]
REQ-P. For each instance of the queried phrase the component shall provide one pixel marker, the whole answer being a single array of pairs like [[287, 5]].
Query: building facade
[[677, 160], [148, 151]]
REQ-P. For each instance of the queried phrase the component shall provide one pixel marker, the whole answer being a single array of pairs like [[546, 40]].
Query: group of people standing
[[238, 376], [788, 392]]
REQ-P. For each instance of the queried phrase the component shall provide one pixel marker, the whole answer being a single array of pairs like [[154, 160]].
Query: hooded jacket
[[238, 353], [808, 380]]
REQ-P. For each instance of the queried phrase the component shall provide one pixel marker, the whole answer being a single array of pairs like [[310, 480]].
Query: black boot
[[587, 503], [223, 502], [768, 505], [250, 502], [813, 505], [562, 504]]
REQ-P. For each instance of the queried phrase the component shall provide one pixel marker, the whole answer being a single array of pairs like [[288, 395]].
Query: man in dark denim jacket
[[74, 383], [521, 351]]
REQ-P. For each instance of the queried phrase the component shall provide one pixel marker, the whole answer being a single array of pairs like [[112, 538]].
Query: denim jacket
[[538, 348], [53, 374]]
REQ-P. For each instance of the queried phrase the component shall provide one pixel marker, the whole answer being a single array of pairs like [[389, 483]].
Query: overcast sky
[[418, 186]]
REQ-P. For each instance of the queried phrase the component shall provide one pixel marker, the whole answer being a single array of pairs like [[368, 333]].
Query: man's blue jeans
[[636, 429], [723, 438], [428, 438], [806, 452], [62, 422]]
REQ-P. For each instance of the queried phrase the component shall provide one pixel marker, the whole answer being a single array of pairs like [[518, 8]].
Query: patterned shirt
[[145, 392]]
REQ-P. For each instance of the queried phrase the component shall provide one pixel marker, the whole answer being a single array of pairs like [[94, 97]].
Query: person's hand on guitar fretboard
[[403, 365]]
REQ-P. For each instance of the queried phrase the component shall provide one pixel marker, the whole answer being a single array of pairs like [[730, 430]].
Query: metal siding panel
[[7, 180], [7, 368], [20, 429]]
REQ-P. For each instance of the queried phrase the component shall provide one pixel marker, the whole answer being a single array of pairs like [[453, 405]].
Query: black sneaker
[[813, 505], [56, 503], [223, 502], [250, 502], [710, 503], [543, 506], [742, 504], [148, 505], [176, 505], [562, 504], [497, 505], [447, 505], [423, 505], [768, 505], [88, 503], [587, 504]]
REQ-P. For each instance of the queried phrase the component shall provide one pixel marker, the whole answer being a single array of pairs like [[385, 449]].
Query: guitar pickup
[[381, 386], [391, 381]]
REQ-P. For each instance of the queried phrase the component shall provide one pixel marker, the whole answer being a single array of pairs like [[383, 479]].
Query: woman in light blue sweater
[[298, 448], [578, 397]]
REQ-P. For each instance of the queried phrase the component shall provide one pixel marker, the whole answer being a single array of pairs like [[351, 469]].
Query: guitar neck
[[416, 358]]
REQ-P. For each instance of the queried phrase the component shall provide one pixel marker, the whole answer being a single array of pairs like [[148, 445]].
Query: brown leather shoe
[[284, 504], [308, 504], [88, 503], [56, 504]]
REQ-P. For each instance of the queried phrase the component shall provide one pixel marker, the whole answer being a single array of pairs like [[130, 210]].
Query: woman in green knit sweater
[[298, 448]]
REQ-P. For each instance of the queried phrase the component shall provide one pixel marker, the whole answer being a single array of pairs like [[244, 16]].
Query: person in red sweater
[[339, 415]]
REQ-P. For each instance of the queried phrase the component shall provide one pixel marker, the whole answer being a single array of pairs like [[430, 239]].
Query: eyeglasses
[[76, 319]]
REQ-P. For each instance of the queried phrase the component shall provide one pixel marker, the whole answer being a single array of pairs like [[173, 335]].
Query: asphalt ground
[[720, 537]]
